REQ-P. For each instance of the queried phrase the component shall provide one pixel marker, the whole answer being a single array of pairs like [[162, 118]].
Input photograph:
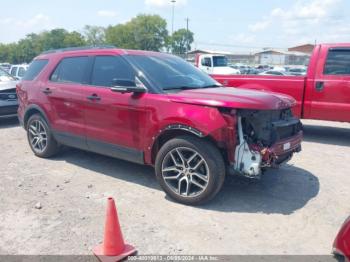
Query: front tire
[[190, 170], [40, 137]]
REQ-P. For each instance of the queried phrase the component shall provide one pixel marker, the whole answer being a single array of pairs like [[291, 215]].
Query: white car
[[5, 66], [18, 71], [8, 96]]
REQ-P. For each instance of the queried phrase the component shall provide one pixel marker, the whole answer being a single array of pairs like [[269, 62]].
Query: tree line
[[144, 32]]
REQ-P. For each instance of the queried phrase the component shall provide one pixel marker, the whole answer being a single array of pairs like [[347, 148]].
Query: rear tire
[[190, 170], [40, 137]]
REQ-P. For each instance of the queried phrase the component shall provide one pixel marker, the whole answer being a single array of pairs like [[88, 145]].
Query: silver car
[[8, 96]]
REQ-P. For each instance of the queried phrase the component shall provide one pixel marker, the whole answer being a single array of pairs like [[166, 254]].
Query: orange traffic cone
[[113, 247]]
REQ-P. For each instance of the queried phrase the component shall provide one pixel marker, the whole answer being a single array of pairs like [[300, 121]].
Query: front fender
[[201, 121]]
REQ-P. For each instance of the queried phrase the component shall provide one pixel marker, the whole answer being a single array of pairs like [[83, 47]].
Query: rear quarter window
[[34, 69]]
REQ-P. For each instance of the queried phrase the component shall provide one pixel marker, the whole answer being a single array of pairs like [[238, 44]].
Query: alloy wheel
[[185, 172], [37, 136]]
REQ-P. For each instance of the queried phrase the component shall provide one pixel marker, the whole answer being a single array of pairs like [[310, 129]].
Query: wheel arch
[[173, 131], [31, 110]]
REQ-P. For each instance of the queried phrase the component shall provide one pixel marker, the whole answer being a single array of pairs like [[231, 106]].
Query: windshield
[[219, 61], [169, 72], [5, 76]]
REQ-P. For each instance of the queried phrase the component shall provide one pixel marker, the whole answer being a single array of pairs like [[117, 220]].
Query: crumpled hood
[[230, 97], [4, 85]]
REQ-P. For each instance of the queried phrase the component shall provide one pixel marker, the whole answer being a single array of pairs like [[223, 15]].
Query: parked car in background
[[155, 109], [323, 94], [8, 96], [241, 67], [5, 66], [263, 68], [18, 71], [252, 71], [341, 245], [297, 71], [273, 73], [215, 64], [278, 68]]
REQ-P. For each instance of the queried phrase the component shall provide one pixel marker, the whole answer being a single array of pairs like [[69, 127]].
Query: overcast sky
[[243, 25]]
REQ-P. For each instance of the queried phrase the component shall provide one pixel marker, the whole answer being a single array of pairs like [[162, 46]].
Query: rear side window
[[70, 70], [34, 69], [109, 68], [338, 62]]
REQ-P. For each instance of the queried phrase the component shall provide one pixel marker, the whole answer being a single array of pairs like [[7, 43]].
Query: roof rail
[[77, 49]]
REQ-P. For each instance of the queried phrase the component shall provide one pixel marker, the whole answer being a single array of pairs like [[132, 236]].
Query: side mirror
[[126, 86]]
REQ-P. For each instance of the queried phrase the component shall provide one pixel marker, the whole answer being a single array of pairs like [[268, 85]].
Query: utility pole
[[187, 35], [173, 14]]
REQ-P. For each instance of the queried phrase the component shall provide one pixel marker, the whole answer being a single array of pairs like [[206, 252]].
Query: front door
[[115, 122]]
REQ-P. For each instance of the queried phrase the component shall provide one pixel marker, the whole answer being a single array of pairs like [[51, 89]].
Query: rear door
[[331, 89], [64, 93], [115, 122]]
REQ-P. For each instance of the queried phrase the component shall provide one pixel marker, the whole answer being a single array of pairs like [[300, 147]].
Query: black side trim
[[71, 140], [103, 148], [125, 153]]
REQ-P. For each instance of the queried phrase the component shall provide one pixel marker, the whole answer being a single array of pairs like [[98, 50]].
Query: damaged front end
[[265, 138]]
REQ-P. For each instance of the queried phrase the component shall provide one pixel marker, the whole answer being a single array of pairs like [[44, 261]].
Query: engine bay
[[259, 131]]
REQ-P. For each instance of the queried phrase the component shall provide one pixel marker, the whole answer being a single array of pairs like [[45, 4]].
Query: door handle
[[319, 86], [47, 91], [94, 97]]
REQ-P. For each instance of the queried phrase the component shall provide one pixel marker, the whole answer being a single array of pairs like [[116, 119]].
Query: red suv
[[155, 109]]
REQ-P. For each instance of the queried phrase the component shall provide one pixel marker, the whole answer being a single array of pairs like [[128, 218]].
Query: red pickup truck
[[323, 94]]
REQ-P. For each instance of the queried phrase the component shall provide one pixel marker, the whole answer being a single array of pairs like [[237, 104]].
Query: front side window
[[71, 70], [168, 72], [338, 62], [220, 61], [34, 69], [107, 69]]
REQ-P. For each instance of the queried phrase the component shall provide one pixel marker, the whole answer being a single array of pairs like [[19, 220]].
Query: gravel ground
[[57, 206]]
